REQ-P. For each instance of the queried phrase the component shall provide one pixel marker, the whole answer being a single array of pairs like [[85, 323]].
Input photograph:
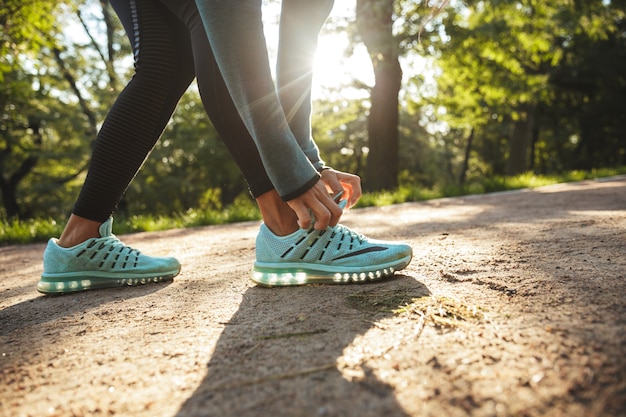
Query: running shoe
[[102, 262], [336, 255]]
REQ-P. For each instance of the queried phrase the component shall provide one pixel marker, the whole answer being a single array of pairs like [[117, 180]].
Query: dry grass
[[442, 312]]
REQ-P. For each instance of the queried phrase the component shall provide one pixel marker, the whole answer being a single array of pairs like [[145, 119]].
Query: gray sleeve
[[235, 31]]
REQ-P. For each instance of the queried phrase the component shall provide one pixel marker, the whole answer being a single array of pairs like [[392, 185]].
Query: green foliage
[[28, 231], [25, 28], [54, 94], [541, 84], [556, 69], [340, 130], [480, 185]]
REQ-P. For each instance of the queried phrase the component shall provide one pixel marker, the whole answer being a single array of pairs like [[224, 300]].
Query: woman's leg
[[221, 110], [225, 118], [163, 71], [217, 102], [88, 255]]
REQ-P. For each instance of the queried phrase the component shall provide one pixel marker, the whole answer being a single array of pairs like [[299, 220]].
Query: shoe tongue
[[106, 228]]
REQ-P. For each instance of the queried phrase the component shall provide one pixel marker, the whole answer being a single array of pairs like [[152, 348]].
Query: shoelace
[[350, 233], [113, 242], [340, 230]]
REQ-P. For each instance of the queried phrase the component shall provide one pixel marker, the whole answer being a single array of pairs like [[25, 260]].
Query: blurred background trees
[[483, 88]]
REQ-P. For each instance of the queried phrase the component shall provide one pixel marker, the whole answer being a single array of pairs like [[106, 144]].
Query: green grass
[[40, 230], [407, 193]]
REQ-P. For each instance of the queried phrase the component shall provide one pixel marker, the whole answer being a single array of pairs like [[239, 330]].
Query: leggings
[[170, 48]]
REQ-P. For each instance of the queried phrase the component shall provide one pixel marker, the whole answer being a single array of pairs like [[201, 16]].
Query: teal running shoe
[[336, 255], [102, 262]]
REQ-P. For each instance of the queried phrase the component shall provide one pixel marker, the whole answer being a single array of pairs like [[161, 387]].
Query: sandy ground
[[513, 306]]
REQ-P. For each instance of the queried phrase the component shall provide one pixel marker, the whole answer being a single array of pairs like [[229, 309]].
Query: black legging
[[170, 47]]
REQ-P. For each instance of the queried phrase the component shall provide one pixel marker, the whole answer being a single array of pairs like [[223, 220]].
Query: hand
[[318, 202], [337, 181]]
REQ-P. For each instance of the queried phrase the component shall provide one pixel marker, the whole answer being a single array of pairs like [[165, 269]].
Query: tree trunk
[[520, 141], [9, 200], [468, 149], [374, 22], [533, 148], [9, 186]]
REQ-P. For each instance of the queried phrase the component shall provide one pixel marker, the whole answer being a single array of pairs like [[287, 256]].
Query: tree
[[375, 26], [590, 89], [24, 24], [501, 62], [53, 97], [397, 140]]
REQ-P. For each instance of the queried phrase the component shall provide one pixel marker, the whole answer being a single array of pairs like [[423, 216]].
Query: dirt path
[[513, 306]]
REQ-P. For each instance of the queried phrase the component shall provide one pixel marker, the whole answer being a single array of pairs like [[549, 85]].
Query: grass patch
[[28, 231], [407, 192], [40, 230]]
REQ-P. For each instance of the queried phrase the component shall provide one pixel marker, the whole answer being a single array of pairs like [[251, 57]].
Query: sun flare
[[334, 69]]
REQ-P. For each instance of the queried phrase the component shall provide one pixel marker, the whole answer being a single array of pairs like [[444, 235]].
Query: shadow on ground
[[269, 364]]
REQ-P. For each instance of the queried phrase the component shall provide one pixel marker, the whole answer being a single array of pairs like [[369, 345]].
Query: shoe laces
[[342, 231], [113, 243]]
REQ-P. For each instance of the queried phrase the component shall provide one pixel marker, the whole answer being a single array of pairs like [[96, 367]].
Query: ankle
[[277, 215], [77, 231], [280, 229]]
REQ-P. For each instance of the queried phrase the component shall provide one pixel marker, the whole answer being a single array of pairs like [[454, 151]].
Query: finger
[[335, 210], [348, 193], [351, 185], [323, 218], [325, 210], [335, 214], [303, 214], [353, 190], [331, 181]]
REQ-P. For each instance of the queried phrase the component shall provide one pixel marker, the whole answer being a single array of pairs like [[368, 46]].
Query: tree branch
[[107, 61], [69, 77]]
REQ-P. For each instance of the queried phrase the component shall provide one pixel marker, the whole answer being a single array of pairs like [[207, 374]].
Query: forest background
[[445, 104]]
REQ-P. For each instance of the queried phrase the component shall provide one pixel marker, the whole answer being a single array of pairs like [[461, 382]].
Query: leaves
[[499, 59]]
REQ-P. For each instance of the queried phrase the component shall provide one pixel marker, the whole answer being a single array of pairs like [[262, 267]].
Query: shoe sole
[[293, 274], [58, 284]]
